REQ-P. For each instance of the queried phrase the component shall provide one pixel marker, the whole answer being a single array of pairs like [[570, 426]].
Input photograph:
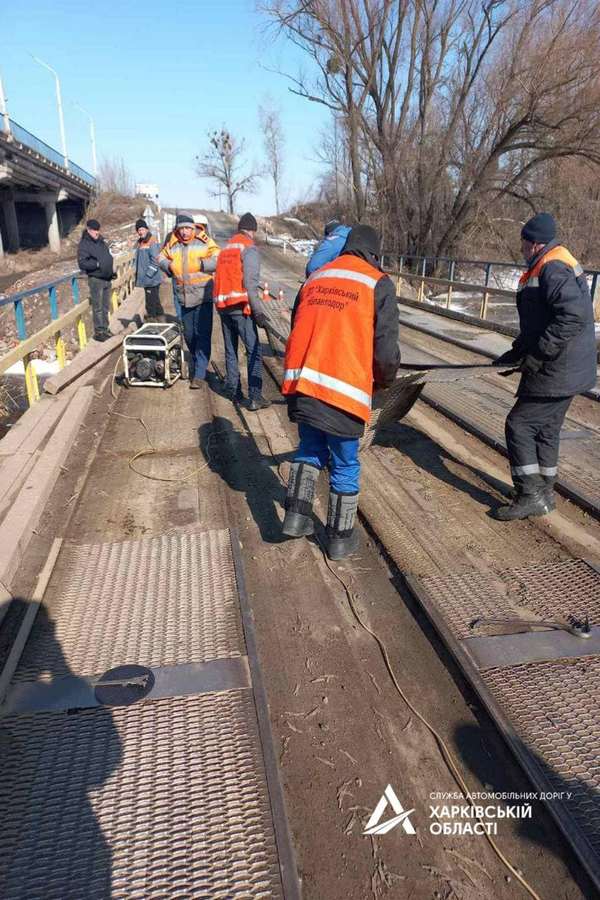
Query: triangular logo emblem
[[401, 817]]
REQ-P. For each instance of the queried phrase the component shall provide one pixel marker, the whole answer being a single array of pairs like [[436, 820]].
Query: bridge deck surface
[[341, 730]]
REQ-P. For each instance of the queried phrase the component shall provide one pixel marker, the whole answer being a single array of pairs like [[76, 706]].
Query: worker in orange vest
[[237, 297], [343, 343], [555, 351]]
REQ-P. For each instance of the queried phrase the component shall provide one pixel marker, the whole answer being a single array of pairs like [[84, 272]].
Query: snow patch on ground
[[42, 367]]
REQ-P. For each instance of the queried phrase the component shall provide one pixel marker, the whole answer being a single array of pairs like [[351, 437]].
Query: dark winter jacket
[[557, 329], [328, 249], [94, 257], [386, 359], [147, 271]]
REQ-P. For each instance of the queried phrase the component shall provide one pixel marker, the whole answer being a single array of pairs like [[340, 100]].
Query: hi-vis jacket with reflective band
[[184, 262], [229, 278], [531, 278], [329, 354]]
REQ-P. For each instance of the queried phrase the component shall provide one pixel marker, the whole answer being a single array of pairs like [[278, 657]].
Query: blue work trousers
[[197, 329], [338, 454], [236, 328]]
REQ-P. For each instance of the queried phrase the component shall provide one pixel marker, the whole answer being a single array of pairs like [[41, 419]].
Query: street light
[[93, 138], [60, 109]]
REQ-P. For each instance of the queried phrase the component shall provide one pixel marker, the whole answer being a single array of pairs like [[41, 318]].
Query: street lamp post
[[93, 139], [61, 120], [3, 110]]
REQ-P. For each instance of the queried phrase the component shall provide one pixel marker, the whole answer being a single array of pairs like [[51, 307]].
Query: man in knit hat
[[95, 259], [238, 299], [147, 270], [334, 238], [555, 352], [190, 258]]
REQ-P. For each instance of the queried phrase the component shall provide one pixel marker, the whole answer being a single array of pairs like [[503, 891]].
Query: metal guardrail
[[423, 264], [28, 139], [25, 349]]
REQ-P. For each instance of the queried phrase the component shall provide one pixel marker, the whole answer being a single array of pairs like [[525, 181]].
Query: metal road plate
[[548, 710], [156, 777], [530, 646], [155, 602], [164, 799]]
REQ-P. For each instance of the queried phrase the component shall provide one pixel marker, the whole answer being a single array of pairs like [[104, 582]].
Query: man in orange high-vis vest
[[556, 353], [238, 300], [343, 343], [190, 258]]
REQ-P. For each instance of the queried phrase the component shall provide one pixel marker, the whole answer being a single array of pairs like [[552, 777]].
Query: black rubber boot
[[342, 537], [549, 490], [302, 483], [531, 500]]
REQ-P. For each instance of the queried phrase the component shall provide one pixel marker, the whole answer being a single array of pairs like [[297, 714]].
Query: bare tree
[[224, 163], [450, 106], [269, 118], [115, 178]]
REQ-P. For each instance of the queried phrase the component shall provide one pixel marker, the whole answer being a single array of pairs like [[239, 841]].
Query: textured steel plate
[[164, 799], [554, 707], [156, 602], [548, 711], [530, 646]]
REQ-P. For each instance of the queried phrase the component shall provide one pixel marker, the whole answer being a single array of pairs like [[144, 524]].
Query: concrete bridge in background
[[42, 194]]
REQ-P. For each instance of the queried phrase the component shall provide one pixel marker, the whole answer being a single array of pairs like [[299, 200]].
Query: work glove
[[512, 357], [113, 276], [261, 320], [531, 364]]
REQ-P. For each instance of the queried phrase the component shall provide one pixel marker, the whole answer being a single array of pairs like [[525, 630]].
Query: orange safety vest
[[229, 287], [329, 354], [531, 278]]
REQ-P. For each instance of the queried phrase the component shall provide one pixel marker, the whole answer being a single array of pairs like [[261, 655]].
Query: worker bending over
[[237, 295], [330, 247], [343, 343], [190, 257], [556, 352]]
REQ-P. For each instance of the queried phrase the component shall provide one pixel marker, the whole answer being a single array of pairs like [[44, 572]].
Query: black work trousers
[[100, 299], [533, 436], [153, 304]]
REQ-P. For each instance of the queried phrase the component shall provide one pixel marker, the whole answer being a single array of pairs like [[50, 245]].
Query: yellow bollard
[[31, 382], [60, 350], [115, 301], [81, 334]]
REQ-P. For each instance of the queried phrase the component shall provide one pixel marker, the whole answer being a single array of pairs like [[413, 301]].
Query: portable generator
[[153, 355]]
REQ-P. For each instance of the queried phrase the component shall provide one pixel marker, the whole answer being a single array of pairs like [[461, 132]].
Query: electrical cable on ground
[[445, 751], [152, 449]]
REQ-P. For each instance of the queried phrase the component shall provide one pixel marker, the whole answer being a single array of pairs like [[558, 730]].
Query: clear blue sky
[[155, 76]]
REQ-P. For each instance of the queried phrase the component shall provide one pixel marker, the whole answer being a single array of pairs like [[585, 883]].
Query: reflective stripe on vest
[[341, 387], [530, 278], [329, 354], [229, 277]]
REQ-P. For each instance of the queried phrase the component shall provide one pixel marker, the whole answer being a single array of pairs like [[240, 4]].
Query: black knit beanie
[[184, 219], [540, 229], [141, 223], [247, 223], [363, 238], [94, 224]]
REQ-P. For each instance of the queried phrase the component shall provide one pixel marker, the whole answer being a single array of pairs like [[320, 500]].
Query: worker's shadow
[[435, 460], [52, 762], [484, 753], [237, 459]]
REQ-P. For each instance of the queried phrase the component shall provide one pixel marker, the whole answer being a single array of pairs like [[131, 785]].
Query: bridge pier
[[12, 224], [51, 211]]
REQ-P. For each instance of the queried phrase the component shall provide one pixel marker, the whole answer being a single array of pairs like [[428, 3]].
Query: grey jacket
[[147, 271]]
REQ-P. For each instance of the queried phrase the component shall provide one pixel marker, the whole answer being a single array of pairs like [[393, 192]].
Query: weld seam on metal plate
[[287, 863], [532, 767], [71, 692], [494, 651]]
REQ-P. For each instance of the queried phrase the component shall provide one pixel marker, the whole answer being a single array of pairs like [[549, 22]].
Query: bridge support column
[[1, 247], [12, 225], [52, 222]]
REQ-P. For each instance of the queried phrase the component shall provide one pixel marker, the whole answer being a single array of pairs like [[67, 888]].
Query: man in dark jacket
[[343, 344], [330, 247], [147, 270], [95, 259], [556, 353]]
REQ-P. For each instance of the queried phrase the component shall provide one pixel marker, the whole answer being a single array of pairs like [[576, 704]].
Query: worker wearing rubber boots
[[556, 353], [343, 343], [190, 257], [237, 295]]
